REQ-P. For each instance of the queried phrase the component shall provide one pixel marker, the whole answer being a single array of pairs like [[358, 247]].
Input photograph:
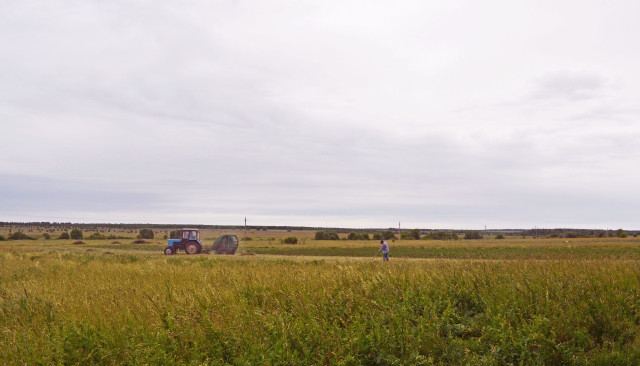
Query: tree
[[414, 234], [499, 236], [46, 236], [620, 233], [175, 234], [76, 234], [146, 234], [64, 235], [388, 234], [441, 235], [353, 236]]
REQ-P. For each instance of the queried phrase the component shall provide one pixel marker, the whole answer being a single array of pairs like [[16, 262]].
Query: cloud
[[333, 113], [569, 86]]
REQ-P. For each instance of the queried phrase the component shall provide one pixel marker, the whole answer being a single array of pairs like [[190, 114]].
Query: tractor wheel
[[193, 248], [168, 251]]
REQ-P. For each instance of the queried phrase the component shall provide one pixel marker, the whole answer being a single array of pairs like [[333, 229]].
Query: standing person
[[385, 250]]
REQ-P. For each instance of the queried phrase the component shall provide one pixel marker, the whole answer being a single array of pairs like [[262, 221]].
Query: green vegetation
[[327, 235], [357, 236], [290, 240], [64, 236], [93, 308], [472, 235], [486, 302], [411, 234], [146, 234], [19, 235], [441, 235], [76, 234]]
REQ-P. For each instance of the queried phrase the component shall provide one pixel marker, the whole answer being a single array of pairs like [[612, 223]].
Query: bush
[[620, 233], [175, 234], [146, 234], [499, 236], [2, 238], [355, 236], [64, 235], [97, 236], [290, 240], [326, 235], [19, 235], [571, 235], [46, 236], [377, 236], [76, 234], [472, 235]]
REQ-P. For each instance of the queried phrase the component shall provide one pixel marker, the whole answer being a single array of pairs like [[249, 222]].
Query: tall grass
[[74, 308]]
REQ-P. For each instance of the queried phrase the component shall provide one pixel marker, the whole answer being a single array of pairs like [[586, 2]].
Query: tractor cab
[[190, 234]]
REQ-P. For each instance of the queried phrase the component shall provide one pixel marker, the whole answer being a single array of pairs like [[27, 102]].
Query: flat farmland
[[484, 302]]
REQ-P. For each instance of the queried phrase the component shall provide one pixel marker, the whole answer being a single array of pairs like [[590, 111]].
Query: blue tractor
[[191, 244]]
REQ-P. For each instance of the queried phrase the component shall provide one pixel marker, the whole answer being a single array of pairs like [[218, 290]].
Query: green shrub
[[46, 236], [290, 240], [377, 236], [146, 234], [472, 235], [97, 236], [175, 234], [2, 238], [571, 235], [64, 235], [19, 235], [326, 235], [499, 236], [353, 236], [76, 234]]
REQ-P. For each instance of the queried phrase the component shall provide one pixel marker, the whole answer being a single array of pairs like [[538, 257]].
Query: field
[[485, 302]]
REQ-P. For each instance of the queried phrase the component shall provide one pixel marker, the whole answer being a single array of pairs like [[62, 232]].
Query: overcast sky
[[438, 114]]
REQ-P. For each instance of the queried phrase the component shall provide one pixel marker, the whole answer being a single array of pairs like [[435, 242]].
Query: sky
[[435, 114]]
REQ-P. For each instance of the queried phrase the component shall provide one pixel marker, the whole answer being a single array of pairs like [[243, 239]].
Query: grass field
[[492, 302]]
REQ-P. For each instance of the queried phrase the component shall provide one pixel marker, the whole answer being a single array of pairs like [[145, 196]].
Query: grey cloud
[[569, 86]]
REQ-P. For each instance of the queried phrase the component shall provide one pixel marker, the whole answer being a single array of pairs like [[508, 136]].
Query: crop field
[[467, 302]]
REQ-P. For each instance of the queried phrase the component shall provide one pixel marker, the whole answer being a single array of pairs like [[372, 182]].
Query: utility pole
[[245, 230], [399, 232]]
